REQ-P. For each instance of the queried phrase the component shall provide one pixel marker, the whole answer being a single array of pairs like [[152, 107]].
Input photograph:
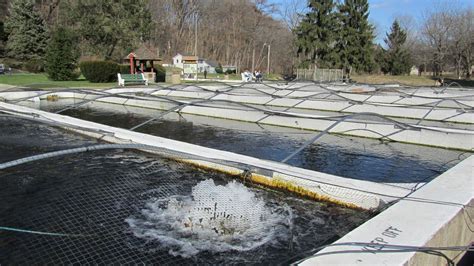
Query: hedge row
[[94, 71], [99, 71], [124, 69], [160, 73]]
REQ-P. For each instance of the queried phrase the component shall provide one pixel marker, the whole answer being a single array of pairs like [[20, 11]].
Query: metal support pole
[[195, 34], [253, 60], [268, 60], [132, 64]]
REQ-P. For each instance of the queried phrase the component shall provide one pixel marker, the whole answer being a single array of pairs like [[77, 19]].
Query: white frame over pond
[[438, 207]]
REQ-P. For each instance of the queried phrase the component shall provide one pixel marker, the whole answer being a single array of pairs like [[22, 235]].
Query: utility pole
[[268, 59], [253, 60], [196, 44], [195, 33]]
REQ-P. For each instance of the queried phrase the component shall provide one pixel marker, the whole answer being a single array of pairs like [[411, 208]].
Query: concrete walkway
[[4, 87], [437, 215]]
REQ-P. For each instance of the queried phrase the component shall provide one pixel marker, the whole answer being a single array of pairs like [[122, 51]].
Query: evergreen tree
[[398, 59], [62, 55], [111, 28], [3, 34], [315, 35], [3, 39], [28, 35], [355, 39], [381, 59]]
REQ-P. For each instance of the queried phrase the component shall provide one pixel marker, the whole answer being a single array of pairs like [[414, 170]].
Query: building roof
[[190, 58], [144, 53], [212, 63], [187, 57]]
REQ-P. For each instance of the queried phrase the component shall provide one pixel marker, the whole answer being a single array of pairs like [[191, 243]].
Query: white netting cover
[[214, 218]]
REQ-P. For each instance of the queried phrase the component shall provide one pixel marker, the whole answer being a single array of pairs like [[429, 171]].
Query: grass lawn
[[39, 81], [405, 80], [408, 80], [219, 76]]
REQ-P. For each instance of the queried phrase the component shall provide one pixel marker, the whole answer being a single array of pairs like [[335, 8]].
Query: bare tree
[[292, 12], [410, 26], [459, 40], [463, 42], [4, 4], [449, 37], [436, 31], [229, 31]]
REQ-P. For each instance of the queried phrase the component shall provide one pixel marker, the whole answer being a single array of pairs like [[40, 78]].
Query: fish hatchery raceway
[[272, 173]]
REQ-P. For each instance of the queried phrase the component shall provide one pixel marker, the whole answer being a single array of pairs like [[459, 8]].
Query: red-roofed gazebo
[[139, 58]]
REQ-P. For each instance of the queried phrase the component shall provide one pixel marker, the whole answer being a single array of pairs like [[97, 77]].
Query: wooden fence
[[320, 75]]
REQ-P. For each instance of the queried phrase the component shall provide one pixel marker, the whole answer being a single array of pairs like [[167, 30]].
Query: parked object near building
[[228, 68]]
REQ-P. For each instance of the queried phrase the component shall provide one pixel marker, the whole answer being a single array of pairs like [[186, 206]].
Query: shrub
[[3, 39], [230, 71], [99, 71], [219, 69], [160, 73], [61, 56], [124, 69]]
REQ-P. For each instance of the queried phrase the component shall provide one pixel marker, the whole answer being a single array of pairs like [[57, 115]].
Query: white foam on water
[[214, 218]]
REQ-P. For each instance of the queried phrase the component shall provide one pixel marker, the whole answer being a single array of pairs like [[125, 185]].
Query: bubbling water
[[214, 218]]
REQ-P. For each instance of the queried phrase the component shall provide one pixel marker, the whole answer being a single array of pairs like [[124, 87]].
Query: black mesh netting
[[91, 197], [127, 207]]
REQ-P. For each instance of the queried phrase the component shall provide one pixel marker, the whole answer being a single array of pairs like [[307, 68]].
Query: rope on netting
[[77, 150], [18, 230]]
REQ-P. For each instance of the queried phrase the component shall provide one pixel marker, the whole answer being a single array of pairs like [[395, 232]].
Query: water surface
[[352, 157], [89, 197]]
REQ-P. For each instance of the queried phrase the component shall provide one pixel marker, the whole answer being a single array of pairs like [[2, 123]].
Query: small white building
[[203, 64], [414, 71], [181, 58]]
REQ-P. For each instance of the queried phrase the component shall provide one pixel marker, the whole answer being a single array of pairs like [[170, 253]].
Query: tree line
[[444, 40], [324, 33], [338, 34], [233, 32]]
